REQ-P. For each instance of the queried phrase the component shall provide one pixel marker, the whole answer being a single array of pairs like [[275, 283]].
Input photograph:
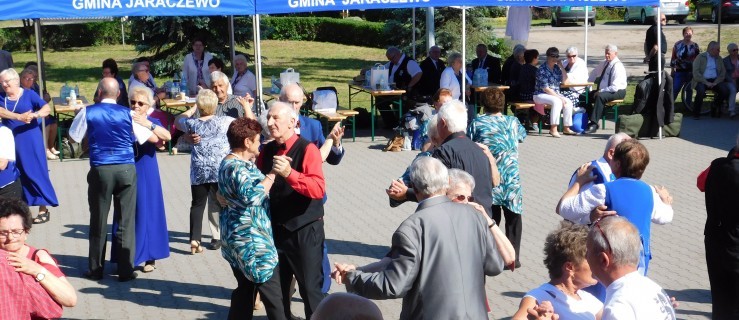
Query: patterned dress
[[246, 230], [502, 134], [213, 147]]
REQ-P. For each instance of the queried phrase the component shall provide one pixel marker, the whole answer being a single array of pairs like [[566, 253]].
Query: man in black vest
[[296, 206], [432, 68], [721, 184], [405, 73]]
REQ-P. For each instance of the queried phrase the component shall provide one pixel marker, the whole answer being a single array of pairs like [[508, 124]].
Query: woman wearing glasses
[[20, 111], [501, 134], [550, 76], [152, 239], [40, 277], [569, 273]]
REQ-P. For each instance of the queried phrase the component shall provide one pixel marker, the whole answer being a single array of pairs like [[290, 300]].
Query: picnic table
[[355, 89], [65, 112]]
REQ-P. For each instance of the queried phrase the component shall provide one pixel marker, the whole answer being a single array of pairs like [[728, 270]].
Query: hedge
[[342, 31]]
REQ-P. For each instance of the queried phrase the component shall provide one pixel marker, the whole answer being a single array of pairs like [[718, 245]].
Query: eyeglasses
[[556, 56], [4, 234], [7, 81], [139, 103], [734, 50], [461, 197], [597, 225]]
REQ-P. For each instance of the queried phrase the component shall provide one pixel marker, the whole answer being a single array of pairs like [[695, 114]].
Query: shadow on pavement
[[717, 133], [353, 248], [691, 295], [513, 294]]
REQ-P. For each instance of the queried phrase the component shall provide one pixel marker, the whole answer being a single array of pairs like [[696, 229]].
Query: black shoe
[[130, 277], [592, 128], [215, 244], [93, 275]]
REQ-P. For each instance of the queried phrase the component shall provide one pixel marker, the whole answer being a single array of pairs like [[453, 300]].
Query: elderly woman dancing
[[152, 240], [28, 274], [569, 273], [20, 110], [501, 134], [204, 160], [248, 245]]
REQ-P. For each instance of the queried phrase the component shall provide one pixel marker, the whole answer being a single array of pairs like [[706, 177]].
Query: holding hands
[[397, 190], [340, 270], [542, 311], [281, 166], [337, 132]]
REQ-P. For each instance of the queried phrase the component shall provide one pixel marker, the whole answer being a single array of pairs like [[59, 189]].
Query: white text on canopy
[[326, 3], [113, 4]]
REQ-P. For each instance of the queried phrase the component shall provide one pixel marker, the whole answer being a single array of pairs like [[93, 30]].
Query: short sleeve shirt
[[546, 78]]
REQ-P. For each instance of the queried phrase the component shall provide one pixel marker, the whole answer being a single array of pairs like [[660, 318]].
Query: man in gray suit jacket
[[439, 256]]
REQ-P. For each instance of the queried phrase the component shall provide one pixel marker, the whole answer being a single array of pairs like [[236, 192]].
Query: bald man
[[111, 132], [347, 306]]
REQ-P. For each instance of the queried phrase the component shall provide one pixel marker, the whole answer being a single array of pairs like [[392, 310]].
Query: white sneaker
[[54, 151], [51, 156]]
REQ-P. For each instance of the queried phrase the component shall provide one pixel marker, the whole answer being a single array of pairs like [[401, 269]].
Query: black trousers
[[117, 183], [721, 90], [12, 191], [301, 254], [513, 227], [242, 298], [598, 103], [722, 259], [200, 195]]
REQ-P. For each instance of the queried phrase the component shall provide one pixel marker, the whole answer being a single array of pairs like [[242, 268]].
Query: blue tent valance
[[31, 9]]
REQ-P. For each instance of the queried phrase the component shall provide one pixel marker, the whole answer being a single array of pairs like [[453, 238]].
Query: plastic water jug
[[275, 89], [64, 92], [73, 97], [183, 84]]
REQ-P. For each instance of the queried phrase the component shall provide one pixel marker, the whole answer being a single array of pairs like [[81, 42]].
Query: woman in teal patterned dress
[[246, 230], [502, 134]]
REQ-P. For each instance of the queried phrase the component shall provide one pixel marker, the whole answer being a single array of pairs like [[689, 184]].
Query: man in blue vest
[[602, 166], [111, 132], [628, 196]]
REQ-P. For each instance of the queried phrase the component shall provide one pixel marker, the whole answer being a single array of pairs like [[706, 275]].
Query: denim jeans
[[683, 78]]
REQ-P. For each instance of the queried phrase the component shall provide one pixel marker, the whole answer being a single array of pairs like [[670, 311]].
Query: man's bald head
[[347, 306], [292, 94], [108, 88]]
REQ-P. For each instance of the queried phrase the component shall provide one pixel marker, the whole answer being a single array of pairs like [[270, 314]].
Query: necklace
[[16, 101], [566, 291], [235, 155]]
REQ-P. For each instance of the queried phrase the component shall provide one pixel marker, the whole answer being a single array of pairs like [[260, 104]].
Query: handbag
[[378, 77], [289, 76]]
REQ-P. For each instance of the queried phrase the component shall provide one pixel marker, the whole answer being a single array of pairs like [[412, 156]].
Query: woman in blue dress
[[152, 238], [246, 229], [20, 110], [502, 134]]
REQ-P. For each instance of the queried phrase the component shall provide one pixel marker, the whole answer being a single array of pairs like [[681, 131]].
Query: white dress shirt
[[78, 130], [603, 166], [619, 77], [577, 74], [412, 67], [711, 72], [577, 209], [247, 83], [633, 297]]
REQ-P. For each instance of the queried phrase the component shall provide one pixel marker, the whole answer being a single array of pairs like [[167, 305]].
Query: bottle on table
[[183, 84], [275, 89], [73, 97]]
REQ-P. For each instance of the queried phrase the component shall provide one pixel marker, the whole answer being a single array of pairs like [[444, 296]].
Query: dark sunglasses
[[597, 225], [572, 56], [556, 56], [734, 50], [461, 197], [139, 103]]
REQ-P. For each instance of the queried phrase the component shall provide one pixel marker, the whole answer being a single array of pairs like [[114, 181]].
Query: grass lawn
[[320, 64]]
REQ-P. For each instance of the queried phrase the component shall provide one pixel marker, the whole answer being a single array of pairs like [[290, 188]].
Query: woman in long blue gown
[[20, 111], [152, 238]]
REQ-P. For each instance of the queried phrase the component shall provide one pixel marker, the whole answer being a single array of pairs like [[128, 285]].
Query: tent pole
[[430, 38], [231, 40], [414, 33], [41, 76], [464, 58], [257, 60], [587, 11], [719, 26], [659, 55]]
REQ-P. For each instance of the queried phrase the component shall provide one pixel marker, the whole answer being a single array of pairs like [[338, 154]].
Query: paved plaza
[[359, 225]]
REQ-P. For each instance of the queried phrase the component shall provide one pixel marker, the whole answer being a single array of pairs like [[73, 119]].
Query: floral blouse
[[502, 134], [683, 56], [546, 78], [246, 229], [213, 147]]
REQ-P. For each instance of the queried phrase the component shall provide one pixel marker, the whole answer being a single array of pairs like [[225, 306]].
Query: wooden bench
[[338, 116], [522, 105], [613, 105]]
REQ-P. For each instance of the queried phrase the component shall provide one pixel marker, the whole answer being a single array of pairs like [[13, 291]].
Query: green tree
[[168, 39]]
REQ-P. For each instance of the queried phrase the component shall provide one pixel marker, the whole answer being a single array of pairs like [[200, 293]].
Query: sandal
[[149, 266], [195, 247], [42, 217]]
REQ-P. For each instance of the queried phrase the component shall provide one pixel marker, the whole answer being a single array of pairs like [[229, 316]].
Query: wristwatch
[[492, 224], [40, 276], [153, 126]]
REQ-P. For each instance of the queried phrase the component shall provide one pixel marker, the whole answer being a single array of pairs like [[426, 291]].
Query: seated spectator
[[731, 64], [244, 81], [577, 72], [451, 78], [549, 78], [681, 65], [611, 85], [432, 67], [569, 273], [110, 70], [441, 238], [527, 75], [627, 196], [406, 74], [142, 78], [613, 248], [147, 62], [31, 281], [346, 306], [216, 64], [709, 74], [511, 70], [488, 62]]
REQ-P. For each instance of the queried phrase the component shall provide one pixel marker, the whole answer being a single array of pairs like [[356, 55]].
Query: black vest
[[722, 197], [289, 208], [401, 77]]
